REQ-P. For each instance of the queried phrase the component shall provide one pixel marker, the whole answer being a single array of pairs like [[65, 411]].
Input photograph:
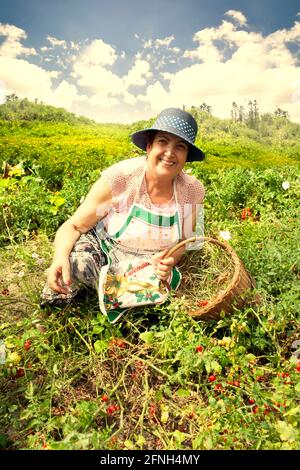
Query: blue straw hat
[[177, 122]]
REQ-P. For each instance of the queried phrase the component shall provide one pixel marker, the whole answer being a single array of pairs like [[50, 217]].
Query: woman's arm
[[164, 266], [95, 206]]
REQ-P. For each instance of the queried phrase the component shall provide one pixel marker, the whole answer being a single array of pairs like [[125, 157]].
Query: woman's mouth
[[167, 163]]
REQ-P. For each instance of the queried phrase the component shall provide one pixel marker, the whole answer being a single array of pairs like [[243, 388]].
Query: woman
[[134, 213]]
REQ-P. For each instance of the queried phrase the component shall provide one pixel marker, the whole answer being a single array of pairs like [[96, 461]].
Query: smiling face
[[167, 154]]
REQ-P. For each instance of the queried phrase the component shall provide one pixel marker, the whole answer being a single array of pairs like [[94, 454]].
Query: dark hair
[[176, 122], [151, 136]]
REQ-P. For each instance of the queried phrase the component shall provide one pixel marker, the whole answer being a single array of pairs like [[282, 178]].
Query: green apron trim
[[150, 218], [114, 315], [175, 279]]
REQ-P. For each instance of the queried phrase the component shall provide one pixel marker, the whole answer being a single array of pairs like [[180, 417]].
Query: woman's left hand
[[163, 266]]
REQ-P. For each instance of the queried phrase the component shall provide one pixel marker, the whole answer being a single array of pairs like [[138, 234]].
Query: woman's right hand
[[59, 276]]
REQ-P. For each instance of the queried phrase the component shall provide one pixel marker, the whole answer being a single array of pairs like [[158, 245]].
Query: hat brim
[[141, 138]]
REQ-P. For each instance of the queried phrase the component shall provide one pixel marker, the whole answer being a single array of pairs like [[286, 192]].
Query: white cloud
[[91, 72], [12, 46], [167, 75], [57, 42], [164, 42], [228, 63], [148, 44], [54, 73], [236, 65], [65, 95], [158, 97], [98, 52], [97, 79], [75, 46], [138, 73], [128, 98], [25, 79], [238, 16], [31, 81], [206, 52], [159, 43]]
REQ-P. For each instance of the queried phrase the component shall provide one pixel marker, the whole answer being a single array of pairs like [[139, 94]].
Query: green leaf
[[297, 387], [129, 445], [98, 329], [140, 441], [3, 441], [147, 336], [164, 414], [292, 412], [168, 392], [208, 443], [179, 436], [216, 367], [29, 393], [182, 392], [53, 210], [286, 431], [250, 357], [100, 346]]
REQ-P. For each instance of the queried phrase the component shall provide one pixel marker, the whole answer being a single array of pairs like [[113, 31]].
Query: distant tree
[[281, 113], [206, 108], [234, 112], [241, 114], [193, 112], [12, 97], [250, 117], [253, 114], [15, 108]]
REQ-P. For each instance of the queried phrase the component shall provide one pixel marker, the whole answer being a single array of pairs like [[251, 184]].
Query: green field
[[158, 379]]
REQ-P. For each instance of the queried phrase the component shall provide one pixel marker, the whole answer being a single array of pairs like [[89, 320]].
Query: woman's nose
[[169, 150]]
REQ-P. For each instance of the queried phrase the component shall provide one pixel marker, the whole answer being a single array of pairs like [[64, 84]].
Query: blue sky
[[125, 60]]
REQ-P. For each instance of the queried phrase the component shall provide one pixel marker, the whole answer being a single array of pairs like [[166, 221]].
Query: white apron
[[131, 238]]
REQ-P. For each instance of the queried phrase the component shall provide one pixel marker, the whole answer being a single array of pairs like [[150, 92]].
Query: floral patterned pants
[[86, 260]]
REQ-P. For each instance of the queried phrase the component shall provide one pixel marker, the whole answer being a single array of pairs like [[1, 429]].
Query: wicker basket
[[235, 294]]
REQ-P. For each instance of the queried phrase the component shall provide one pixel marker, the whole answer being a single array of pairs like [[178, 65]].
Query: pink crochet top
[[124, 179]]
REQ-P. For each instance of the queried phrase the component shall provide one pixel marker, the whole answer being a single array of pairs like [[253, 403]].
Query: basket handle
[[226, 246]]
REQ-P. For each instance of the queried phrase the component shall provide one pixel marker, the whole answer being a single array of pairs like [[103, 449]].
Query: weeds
[[157, 379]]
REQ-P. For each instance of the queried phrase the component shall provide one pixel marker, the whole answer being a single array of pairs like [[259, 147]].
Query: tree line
[[15, 108], [251, 116], [23, 109]]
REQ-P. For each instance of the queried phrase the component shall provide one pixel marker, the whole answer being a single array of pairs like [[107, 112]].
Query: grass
[[158, 379]]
